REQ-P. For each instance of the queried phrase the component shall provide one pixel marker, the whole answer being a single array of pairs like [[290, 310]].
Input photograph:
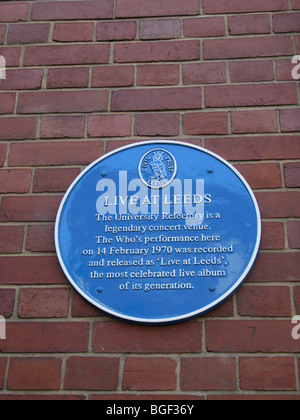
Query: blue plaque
[[158, 232]]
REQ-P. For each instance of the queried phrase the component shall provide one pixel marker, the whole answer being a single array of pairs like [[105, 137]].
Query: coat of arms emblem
[[157, 168]]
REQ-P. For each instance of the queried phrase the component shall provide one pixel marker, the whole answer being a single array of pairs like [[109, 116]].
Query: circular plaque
[[158, 232]]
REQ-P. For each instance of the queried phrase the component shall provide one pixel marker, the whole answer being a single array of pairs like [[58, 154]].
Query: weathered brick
[[29, 208], [141, 8], [52, 55], [7, 303], [294, 234], [53, 153], [3, 148], [73, 32], [284, 68], [270, 46], [64, 10], [158, 75], [160, 124], [2, 33], [279, 204], [204, 73], [208, 374], [157, 51], [292, 175], [62, 102], [108, 338], [157, 99], [271, 336], [254, 122], [251, 71], [204, 27], [249, 24], [250, 95], [109, 126], [39, 373], [149, 374], [23, 79], [44, 303], [68, 78], [92, 373], [40, 238], [7, 104], [286, 22], [15, 181], [267, 175], [272, 235], [160, 29], [113, 76], [243, 6], [267, 373], [14, 12], [28, 33], [264, 301], [62, 127], [276, 267], [54, 180], [18, 128], [11, 240], [205, 123], [116, 31], [49, 337], [290, 120], [3, 363]]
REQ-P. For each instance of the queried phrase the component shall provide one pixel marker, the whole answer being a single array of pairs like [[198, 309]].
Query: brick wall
[[86, 77]]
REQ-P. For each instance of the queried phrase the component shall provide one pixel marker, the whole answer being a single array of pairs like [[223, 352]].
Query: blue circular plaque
[[158, 232]]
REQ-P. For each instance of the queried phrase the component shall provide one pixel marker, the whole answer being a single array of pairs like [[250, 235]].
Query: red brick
[[208, 374], [256, 148], [284, 70], [149, 374], [108, 337], [49, 337], [286, 22], [39, 373], [92, 373], [52, 55], [2, 33], [3, 364], [290, 120], [294, 234], [272, 235], [204, 73], [276, 267], [73, 32], [261, 175], [82, 308], [297, 39], [68, 78], [2, 153], [54, 180], [216, 49], [157, 51], [160, 29], [157, 99], [250, 95], [158, 75], [297, 299], [40, 238], [29, 208], [7, 303], [243, 6], [205, 123], [264, 301], [44, 303], [31, 270], [292, 174], [64, 10], [62, 127], [15, 12], [11, 239], [254, 122], [116, 31], [267, 373], [296, 4], [279, 204], [109, 126], [157, 124], [251, 71], [15, 181], [62, 102], [250, 336], [23, 79], [7, 104], [16, 128], [204, 27], [12, 55], [28, 33], [53, 153], [141, 8], [113, 76], [249, 24]]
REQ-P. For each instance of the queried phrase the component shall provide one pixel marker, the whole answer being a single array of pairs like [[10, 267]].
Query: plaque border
[[176, 319]]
